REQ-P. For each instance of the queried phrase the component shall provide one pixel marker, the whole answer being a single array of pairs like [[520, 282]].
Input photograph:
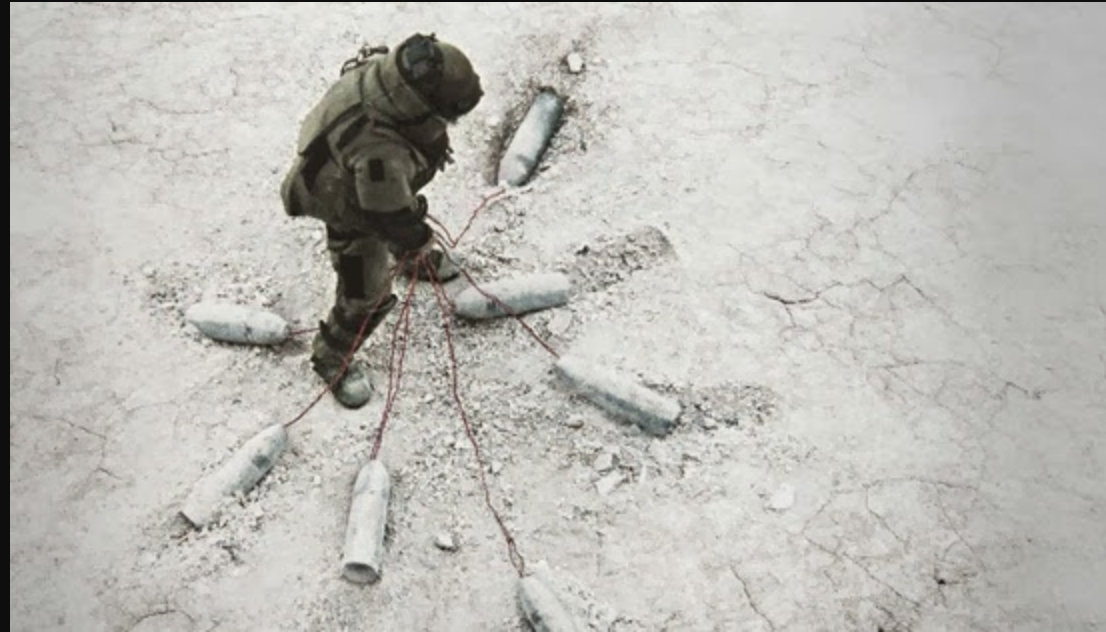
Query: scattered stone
[[606, 461], [575, 63], [609, 483], [575, 422], [660, 453], [445, 541], [783, 499], [560, 323], [692, 454]]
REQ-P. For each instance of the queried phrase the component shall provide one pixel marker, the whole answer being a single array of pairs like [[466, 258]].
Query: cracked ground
[[864, 244]]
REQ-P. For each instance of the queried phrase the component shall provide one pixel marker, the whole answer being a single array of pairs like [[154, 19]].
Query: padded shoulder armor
[[342, 98]]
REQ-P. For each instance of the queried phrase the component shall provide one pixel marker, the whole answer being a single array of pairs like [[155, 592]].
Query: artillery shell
[[620, 396], [522, 294], [543, 610], [239, 324], [248, 465], [531, 139], [363, 555]]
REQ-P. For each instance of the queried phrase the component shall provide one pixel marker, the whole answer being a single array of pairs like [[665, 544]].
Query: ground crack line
[[749, 598], [882, 520], [788, 301], [841, 556], [163, 611]]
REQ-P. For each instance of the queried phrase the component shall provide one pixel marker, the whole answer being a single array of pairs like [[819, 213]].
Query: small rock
[[575, 422], [783, 499], [575, 63], [445, 542], [659, 452], [560, 323], [496, 467], [709, 423], [606, 461], [608, 483]]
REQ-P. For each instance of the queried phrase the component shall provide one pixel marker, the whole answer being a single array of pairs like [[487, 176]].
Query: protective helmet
[[441, 74]]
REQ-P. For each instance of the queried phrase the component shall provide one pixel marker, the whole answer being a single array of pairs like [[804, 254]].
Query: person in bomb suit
[[364, 153]]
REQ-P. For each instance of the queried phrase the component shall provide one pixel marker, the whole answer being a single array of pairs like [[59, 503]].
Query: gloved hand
[[407, 233], [411, 263], [414, 243], [414, 254]]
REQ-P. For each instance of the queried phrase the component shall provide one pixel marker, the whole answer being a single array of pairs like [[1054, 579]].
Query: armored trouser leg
[[363, 299]]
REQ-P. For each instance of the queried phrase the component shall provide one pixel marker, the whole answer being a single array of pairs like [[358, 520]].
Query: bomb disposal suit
[[364, 153]]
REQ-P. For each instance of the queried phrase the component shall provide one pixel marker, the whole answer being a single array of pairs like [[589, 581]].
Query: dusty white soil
[[867, 255]]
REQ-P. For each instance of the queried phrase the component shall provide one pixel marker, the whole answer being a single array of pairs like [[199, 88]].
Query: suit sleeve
[[386, 200]]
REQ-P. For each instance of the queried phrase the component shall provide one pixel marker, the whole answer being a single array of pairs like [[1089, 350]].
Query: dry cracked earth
[[862, 244]]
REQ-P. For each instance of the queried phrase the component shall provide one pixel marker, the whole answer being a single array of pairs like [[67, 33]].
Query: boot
[[445, 269], [354, 388]]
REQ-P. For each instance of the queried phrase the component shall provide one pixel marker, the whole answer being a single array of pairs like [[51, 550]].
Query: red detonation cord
[[395, 365]]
